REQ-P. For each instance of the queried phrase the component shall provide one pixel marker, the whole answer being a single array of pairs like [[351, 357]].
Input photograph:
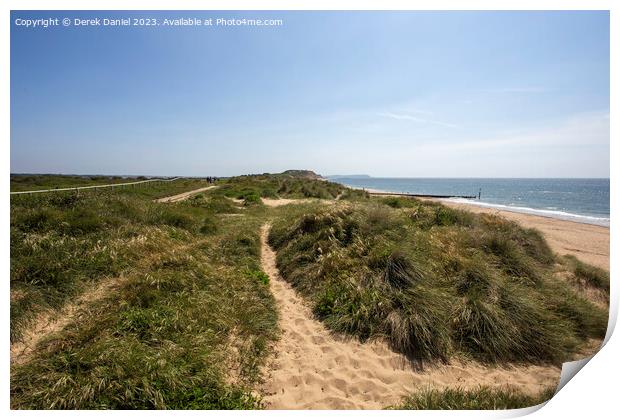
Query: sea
[[580, 200]]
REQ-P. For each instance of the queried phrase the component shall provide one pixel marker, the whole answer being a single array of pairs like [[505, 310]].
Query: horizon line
[[357, 176]]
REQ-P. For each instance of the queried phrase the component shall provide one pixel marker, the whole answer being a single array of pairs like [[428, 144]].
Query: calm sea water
[[582, 200]]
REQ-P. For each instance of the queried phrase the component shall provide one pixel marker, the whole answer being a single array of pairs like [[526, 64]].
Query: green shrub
[[251, 199], [259, 276], [269, 192]]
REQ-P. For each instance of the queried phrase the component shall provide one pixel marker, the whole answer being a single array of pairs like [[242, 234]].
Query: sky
[[393, 94]]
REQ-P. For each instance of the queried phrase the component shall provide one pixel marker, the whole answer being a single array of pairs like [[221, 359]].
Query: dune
[[589, 243], [313, 368]]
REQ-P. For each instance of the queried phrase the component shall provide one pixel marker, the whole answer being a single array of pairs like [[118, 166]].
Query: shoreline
[[588, 242], [560, 215]]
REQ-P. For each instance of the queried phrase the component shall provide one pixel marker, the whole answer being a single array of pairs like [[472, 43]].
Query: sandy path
[[49, 323], [314, 369], [183, 196], [589, 243], [277, 202]]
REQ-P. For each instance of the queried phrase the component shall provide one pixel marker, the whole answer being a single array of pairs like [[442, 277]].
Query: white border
[[591, 395]]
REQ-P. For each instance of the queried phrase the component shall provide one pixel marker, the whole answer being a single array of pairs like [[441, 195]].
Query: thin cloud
[[518, 89], [416, 111], [408, 117], [588, 129]]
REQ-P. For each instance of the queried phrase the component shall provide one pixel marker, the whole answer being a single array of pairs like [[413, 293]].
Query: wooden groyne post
[[425, 195]]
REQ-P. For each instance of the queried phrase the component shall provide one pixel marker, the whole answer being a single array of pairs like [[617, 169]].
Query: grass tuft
[[592, 276], [481, 398]]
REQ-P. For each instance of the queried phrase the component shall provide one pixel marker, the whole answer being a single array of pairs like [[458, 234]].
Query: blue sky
[[419, 94]]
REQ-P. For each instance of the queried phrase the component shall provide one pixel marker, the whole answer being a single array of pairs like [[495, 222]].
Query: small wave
[[556, 214]]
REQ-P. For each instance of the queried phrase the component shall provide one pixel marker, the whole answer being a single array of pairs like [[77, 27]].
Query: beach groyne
[[424, 195]]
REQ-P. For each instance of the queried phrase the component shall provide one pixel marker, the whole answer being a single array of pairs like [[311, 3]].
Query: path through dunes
[[183, 196], [315, 369], [277, 202], [48, 323]]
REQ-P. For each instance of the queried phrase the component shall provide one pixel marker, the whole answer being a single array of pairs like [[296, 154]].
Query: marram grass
[[190, 320], [434, 282], [480, 398]]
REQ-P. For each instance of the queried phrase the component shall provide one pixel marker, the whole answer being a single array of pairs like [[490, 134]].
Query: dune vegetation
[[481, 398], [590, 275], [290, 184], [50, 182], [434, 282], [183, 317], [118, 301]]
